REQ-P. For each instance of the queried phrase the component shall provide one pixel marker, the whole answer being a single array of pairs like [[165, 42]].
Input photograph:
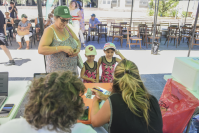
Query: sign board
[[143, 4]]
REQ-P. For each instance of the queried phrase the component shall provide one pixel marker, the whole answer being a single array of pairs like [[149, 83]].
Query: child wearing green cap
[[89, 70], [108, 62]]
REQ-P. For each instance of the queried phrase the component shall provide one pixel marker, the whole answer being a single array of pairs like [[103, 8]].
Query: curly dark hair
[[55, 100]]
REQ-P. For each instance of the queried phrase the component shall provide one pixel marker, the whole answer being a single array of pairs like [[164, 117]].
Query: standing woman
[[57, 42], [76, 14], [82, 24]]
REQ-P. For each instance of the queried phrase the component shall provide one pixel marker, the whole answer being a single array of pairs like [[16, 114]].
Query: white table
[[16, 92], [186, 72]]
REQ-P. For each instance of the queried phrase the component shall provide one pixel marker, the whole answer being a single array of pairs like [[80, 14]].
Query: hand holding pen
[[97, 92]]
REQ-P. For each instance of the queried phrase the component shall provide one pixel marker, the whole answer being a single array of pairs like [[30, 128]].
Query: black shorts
[[2, 39]]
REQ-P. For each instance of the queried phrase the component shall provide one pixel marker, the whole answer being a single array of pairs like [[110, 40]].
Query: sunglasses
[[25, 17], [63, 20]]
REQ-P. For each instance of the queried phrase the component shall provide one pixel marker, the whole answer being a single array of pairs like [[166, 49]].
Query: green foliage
[[173, 13], [151, 4], [184, 14], [151, 12], [164, 6], [86, 1]]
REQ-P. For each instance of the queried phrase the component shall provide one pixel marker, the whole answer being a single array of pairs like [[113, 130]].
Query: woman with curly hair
[[54, 105], [130, 108]]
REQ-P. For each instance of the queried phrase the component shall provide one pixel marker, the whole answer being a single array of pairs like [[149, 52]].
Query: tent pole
[[155, 22], [60, 2], [131, 14], [194, 29], [187, 11], [39, 6]]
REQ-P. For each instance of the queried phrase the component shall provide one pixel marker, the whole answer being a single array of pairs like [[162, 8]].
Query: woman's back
[[123, 120]]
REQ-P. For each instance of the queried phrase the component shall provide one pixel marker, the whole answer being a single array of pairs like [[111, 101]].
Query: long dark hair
[[79, 5]]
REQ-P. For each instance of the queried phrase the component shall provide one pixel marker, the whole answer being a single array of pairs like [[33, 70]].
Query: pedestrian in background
[[82, 24], [76, 14], [3, 41], [49, 21], [13, 10]]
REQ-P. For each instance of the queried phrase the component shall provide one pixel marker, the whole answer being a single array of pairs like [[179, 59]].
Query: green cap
[[93, 15], [62, 11], [24, 16]]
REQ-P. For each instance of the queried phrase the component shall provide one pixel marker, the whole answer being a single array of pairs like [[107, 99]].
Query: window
[[108, 2], [104, 2]]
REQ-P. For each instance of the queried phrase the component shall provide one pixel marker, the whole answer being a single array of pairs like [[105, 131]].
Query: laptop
[[39, 75], [3, 87]]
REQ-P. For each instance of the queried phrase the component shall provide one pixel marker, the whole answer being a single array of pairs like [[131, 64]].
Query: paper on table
[[104, 92]]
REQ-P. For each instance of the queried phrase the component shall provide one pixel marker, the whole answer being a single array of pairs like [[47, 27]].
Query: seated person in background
[[54, 105], [37, 26], [92, 25], [9, 23], [24, 28], [49, 21], [130, 108]]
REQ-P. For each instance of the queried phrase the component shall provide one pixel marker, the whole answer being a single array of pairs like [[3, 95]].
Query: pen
[[98, 89]]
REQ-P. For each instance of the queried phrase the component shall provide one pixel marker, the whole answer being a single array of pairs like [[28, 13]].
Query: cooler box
[[186, 72]]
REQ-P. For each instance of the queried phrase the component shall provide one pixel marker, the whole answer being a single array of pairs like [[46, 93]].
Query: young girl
[[89, 70], [108, 62]]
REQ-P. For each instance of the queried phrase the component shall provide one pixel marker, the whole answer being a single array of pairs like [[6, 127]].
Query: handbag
[[22, 33], [79, 60]]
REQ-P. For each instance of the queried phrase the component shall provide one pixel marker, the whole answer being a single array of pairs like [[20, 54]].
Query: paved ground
[[151, 67]]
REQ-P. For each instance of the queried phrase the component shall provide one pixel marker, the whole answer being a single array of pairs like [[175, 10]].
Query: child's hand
[[93, 80], [117, 52]]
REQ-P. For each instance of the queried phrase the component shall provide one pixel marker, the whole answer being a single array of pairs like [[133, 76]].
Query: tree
[[166, 6]]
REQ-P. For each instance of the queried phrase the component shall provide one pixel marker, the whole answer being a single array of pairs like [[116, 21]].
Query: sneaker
[[88, 38], [11, 62]]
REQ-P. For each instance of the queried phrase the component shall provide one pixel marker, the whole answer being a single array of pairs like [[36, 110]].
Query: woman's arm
[[44, 45], [12, 21], [27, 27], [35, 21], [118, 53], [98, 65], [101, 116], [84, 77]]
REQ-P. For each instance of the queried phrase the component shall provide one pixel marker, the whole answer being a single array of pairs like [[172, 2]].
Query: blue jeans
[[10, 30]]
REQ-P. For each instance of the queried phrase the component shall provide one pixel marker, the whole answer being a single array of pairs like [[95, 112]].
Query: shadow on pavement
[[18, 61]]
